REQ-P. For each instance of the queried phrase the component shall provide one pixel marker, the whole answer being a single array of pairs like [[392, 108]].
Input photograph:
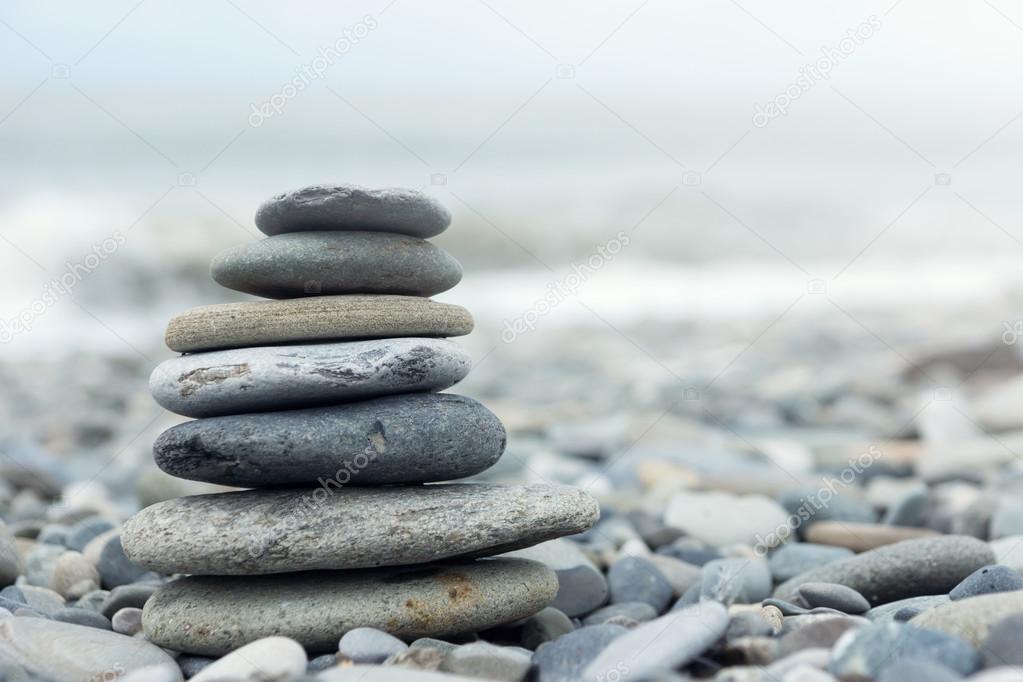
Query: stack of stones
[[324, 402]]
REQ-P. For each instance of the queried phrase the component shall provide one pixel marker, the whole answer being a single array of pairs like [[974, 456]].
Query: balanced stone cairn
[[325, 403]]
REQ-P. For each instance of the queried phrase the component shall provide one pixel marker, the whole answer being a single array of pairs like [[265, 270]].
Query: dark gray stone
[[581, 585], [996, 578], [637, 611], [309, 375], [320, 663], [193, 665], [633, 579], [748, 624], [413, 438], [85, 617], [127, 595], [874, 647], [545, 626], [833, 596], [565, 659], [330, 263], [351, 207], [909, 510], [115, 569], [482, 660], [799, 557], [905, 569], [83, 531], [810, 506]]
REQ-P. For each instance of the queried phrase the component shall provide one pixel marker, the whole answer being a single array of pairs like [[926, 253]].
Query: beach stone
[[11, 565], [272, 531], [42, 599], [127, 621], [315, 319], [417, 659], [910, 509], [351, 207], [794, 558], [73, 576], [330, 263], [80, 616], [193, 665], [832, 596], [971, 618], [287, 377], [488, 661], [748, 624], [40, 563], [909, 568], [545, 626], [127, 596], [376, 673], [810, 506], [369, 645], [722, 519], [1001, 646], [664, 644], [637, 611], [914, 605], [85, 530], [986, 580], [679, 574], [271, 658], [861, 537], [1007, 519], [320, 663], [153, 673], [413, 438], [911, 669], [729, 581], [823, 632], [633, 579], [115, 569], [581, 586], [64, 652], [565, 659], [863, 653], [212, 615]]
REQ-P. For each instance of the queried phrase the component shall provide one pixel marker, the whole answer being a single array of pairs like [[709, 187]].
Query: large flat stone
[[314, 318], [351, 207], [276, 531], [411, 438], [315, 263], [971, 618], [286, 377], [214, 614]]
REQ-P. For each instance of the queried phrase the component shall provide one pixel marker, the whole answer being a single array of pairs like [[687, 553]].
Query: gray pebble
[[412, 438], [565, 659], [637, 612], [581, 585], [729, 581], [912, 669], [115, 569], [1002, 644], [87, 529], [79, 616], [798, 557], [748, 624], [487, 661], [633, 579], [351, 207], [865, 652], [369, 645], [54, 534], [808, 505], [193, 665], [996, 578], [545, 626], [127, 595], [910, 509], [330, 263], [320, 663], [127, 621], [833, 596], [971, 618]]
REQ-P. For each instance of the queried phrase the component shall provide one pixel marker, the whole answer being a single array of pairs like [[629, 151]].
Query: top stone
[[351, 207]]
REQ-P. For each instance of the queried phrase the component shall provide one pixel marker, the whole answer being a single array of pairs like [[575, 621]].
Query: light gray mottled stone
[[315, 263], [351, 207], [212, 615], [276, 531], [285, 377], [973, 617], [412, 438]]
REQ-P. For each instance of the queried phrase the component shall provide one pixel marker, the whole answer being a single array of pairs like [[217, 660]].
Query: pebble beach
[[345, 481]]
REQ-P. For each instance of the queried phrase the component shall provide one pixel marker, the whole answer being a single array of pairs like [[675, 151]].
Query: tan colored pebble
[[316, 318], [773, 615], [860, 537]]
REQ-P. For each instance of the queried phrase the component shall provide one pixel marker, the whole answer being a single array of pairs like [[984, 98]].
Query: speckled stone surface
[[275, 531], [315, 263], [283, 377], [351, 207], [411, 438], [973, 617], [311, 319], [905, 569], [214, 614]]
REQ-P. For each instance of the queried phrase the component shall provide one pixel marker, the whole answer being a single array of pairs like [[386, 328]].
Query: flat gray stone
[[1001, 645], [327, 263], [412, 438], [64, 652], [832, 596], [794, 558], [905, 569], [635, 579], [488, 661], [274, 531], [212, 615], [917, 605], [369, 645], [582, 587], [270, 658], [565, 659], [863, 653], [286, 377], [996, 578], [313, 319], [351, 207], [663, 644], [971, 618]]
